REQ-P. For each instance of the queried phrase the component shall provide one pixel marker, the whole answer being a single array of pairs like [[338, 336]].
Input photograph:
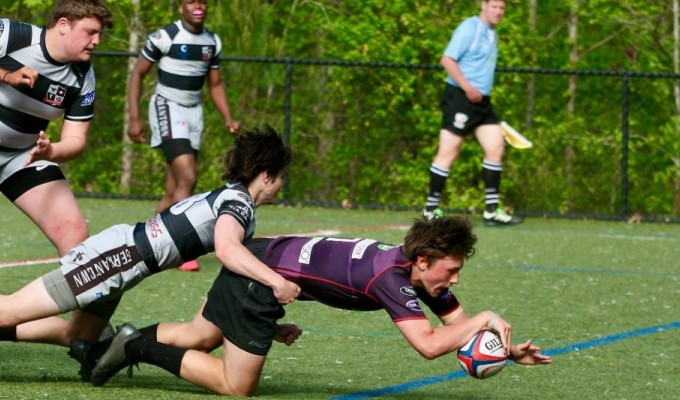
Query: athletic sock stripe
[[439, 171]]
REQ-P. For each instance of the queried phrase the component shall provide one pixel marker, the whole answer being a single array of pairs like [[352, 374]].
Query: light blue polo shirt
[[474, 46]]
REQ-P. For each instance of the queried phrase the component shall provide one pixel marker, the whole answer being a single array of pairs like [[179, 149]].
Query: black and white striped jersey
[[61, 89], [186, 230], [184, 59]]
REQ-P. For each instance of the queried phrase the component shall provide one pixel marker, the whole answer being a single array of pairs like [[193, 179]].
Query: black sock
[[98, 349], [149, 332], [492, 184], [438, 177], [8, 334], [159, 354]]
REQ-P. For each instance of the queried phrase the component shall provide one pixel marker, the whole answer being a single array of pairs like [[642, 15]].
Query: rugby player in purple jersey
[[353, 274]]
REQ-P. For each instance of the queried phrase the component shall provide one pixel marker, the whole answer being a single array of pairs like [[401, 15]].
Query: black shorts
[[245, 310], [461, 116], [27, 178], [174, 148]]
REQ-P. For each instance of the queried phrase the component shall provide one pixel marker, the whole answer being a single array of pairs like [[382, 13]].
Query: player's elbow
[[429, 352]]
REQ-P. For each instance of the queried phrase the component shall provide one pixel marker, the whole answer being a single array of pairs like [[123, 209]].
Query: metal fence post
[[287, 120], [625, 135]]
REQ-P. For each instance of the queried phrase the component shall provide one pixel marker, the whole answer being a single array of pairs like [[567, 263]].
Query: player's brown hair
[[75, 10], [439, 238], [255, 151]]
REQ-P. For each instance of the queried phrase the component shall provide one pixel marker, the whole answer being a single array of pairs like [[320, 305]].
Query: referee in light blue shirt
[[470, 62]]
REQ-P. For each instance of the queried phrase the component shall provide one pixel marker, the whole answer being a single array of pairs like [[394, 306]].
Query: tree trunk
[[531, 84], [569, 151], [127, 161]]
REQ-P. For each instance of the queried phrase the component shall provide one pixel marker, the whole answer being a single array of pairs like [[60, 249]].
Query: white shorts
[[97, 271], [170, 120]]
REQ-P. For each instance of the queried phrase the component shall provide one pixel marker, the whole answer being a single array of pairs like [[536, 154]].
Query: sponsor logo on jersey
[[360, 248], [55, 95], [40, 167], [2, 27], [183, 51], [413, 305], [446, 295], [385, 247], [241, 210], [154, 228], [88, 100], [408, 290], [206, 53], [306, 251]]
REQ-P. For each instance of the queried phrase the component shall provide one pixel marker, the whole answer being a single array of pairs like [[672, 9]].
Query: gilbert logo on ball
[[483, 356]]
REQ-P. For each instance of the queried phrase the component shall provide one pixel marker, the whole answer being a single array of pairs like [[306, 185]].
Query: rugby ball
[[483, 356]]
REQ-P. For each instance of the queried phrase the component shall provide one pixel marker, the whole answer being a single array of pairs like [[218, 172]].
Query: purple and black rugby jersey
[[354, 274]]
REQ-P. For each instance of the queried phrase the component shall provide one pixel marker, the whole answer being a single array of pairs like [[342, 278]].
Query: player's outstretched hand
[[287, 333], [41, 151], [287, 293], [528, 354]]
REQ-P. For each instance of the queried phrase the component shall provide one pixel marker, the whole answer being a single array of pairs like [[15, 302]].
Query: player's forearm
[[67, 149], [219, 99], [134, 94], [241, 261], [453, 70]]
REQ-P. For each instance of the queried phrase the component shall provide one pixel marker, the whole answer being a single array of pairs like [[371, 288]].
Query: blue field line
[[404, 387]]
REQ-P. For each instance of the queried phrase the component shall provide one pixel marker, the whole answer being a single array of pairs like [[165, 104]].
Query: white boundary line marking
[[39, 261]]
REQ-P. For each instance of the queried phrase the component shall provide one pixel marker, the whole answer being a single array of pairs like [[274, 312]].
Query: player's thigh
[[490, 138], [242, 369], [53, 207], [29, 303], [183, 168]]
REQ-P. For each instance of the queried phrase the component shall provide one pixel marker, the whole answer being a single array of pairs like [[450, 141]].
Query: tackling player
[[94, 275]]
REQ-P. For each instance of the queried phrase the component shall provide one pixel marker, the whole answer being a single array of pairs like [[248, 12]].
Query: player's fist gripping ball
[[483, 356]]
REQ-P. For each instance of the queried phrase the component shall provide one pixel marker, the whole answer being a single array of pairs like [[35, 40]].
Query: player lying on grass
[[354, 274], [93, 276]]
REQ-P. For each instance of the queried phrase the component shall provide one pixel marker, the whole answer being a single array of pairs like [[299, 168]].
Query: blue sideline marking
[[403, 387]]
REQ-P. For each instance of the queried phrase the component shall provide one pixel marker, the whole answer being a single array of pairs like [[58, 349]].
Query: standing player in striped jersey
[[46, 74], [94, 275], [186, 54]]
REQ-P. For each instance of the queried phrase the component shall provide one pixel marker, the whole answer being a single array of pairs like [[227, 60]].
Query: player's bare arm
[[71, 145], [219, 98], [433, 342], [229, 249], [136, 131]]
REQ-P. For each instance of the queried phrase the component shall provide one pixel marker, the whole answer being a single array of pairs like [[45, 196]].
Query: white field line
[[38, 261]]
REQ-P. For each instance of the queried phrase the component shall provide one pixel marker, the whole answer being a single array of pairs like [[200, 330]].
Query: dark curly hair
[[439, 238], [255, 151]]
